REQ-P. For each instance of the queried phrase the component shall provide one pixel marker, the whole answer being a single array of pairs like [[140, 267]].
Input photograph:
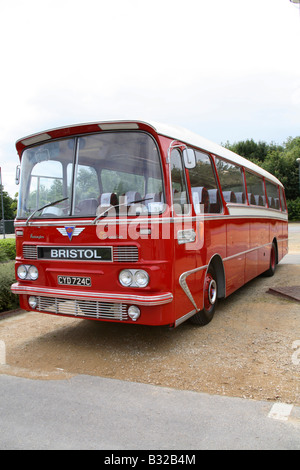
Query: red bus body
[[186, 260]]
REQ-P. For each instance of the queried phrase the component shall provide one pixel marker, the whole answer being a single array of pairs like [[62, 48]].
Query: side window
[[255, 189], [180, 198], [282, 199], [205, 192], [273, 195], [232, 181]]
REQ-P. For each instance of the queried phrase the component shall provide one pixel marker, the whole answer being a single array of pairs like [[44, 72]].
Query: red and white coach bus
[[137, 222]]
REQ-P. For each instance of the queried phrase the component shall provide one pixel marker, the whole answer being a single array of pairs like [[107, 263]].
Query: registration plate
[[74, 281]]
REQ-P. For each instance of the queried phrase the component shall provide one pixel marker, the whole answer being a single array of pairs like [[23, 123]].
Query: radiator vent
[[126, 254], [83, 308], [29, 251]]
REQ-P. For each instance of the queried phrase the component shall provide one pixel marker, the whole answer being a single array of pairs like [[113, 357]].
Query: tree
[[256, 152], [282, 163], [9, 206], [279, 160], [285, 168]]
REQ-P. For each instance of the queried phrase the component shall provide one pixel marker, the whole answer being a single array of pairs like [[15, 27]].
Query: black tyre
[[210, 293], [273, 256]]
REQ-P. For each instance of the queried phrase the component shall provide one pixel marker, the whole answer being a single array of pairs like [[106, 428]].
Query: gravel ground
[[251, 348]]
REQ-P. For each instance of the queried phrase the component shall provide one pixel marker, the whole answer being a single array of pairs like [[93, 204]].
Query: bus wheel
[[271, 271], [210, 293]]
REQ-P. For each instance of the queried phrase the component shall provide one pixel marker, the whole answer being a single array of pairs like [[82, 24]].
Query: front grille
[[121, 254], [126, 254], [29, 251], [83, 308]]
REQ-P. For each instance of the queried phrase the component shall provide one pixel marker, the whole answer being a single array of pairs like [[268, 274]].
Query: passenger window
[[205, 192], [255, 189], [273, 195], [180, 199], [282, 199], [232, 182]]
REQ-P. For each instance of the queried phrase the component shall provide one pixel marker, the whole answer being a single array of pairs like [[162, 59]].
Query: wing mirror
[[189, 158], [18, 174]]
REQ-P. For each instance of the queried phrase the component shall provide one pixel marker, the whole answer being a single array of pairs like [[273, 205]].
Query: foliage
[[280, 160], [251, 150], [10, 206], [7, 249], [294, 209], [8, 300]]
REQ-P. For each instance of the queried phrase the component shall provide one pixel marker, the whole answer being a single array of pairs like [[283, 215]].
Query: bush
[[8, 300], [294, 209], [7, 249]]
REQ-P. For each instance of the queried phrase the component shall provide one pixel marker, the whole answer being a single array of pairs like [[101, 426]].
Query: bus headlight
[[33, 273], [126, 278], [22, 271], [26, 271], [141, 278], [134, 278]]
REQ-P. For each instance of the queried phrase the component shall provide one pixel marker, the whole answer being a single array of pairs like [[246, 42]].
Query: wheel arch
[[216, 263], [276, 247]]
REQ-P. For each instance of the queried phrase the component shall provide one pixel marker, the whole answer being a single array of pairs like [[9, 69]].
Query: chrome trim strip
[[151, 300], [253, 249], [184, 286], [267, 214], [282, 240], [185, 317]]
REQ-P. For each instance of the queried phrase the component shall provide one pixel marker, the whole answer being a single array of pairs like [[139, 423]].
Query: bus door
[[184, 235]]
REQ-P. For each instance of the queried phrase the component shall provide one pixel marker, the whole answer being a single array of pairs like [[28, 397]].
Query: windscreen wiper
[[44, 207], [119, 205]]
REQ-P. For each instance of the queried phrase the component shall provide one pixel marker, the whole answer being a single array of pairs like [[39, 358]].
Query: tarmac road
[[88, 412]]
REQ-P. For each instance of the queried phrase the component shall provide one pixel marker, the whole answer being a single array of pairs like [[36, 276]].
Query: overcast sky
[[226, 69]]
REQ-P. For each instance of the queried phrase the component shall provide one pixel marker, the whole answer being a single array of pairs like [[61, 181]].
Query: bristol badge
[[70, 231]]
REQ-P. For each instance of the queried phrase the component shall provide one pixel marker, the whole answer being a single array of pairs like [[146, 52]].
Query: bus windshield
[[83, 176]]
